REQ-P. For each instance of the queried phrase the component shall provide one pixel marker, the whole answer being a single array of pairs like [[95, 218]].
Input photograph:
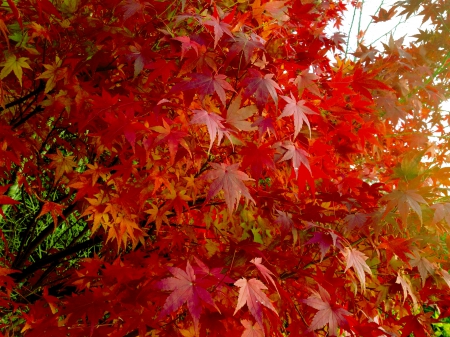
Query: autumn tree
[[207, 168]]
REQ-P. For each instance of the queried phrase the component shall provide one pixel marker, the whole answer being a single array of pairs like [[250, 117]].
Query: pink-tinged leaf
[[423, 265], [306, 81], [266, 273], [407, 290], [299, 110], [356, 259], [297, 155], [285, 221], [220, 27], [213, 123], [404, 200], [206, 84], [445, 276], [131, 7], [328, 313], [356, 220], [187, 44], [441, 212], [260, 86], [184, 290], [264, 125], [325, 241], [250, 293], [203, 270], [237, 116], [229, 179], [252, 330], [245, 44]]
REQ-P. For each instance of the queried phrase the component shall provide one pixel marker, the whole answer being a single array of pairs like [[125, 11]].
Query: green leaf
[[15, 65]]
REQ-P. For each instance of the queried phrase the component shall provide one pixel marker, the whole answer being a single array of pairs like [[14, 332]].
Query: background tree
[[203, 168]]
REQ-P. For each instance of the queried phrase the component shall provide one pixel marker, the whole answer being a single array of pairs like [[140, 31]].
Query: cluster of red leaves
[[218, 208]]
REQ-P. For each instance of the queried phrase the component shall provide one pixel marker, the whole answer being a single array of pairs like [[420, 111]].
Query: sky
[[376, 33]]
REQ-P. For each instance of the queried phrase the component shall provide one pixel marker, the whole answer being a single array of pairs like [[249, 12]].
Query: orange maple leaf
[[62, 164]]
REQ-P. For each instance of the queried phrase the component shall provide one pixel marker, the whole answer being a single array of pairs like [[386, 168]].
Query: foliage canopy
[[203, 168]]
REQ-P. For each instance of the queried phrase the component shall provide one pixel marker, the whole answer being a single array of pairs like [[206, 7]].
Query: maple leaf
[[299, 110], [187, 44], [397, 246], [15, 65], [446, 276], [328, 313], [54, 73], [172, 138], [229, 179], [356, 259], [4, 199], [285, 221], [414, 324], [264, 125], [220, 27], [214, 125], [158, 215], [260, 86], [356, 220], [266, 273], [204, 270], [384, 15], [423, 265], [325, 241], [441, 212], [131, 7], [305, 80], [258, 158], [404, 200], [206, 84], [184, 290], [54, 209], [237, 116], [245, 44], [250, 293], [297, 155], [62, 164], [407, 290], [252, 330]]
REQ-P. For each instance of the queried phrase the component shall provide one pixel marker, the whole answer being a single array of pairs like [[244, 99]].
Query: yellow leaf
[[15, 65]]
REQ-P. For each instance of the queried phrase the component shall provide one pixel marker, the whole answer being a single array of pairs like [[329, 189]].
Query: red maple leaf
[[328, 313], [384, 15], [252, 330], [305, 80], [266, 273], [260, 86], [245, 44], [398, 246], [4, 199], [206, 84], [258, 158], [299, 110], [220, 27], [213, 123], [229, 179], [54, 209], [296, 154], [415, 324], [184, 290], [250, 293]]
